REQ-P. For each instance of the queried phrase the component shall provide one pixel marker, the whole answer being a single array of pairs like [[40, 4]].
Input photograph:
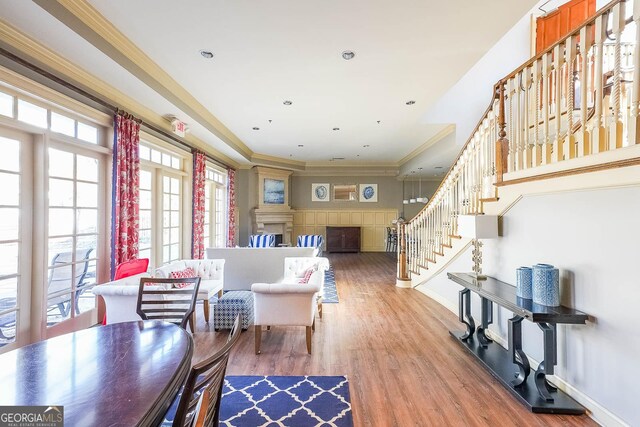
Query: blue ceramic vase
[[546, 285], [524, 280]]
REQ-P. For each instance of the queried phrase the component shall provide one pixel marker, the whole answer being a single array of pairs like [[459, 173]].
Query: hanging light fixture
[[421, 199], [412, 199], [404, 201]]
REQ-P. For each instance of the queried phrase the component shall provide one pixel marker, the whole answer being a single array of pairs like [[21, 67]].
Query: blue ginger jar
[[546, 285]]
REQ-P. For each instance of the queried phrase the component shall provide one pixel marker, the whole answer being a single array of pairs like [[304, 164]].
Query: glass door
[[73, 233], [15, 238]]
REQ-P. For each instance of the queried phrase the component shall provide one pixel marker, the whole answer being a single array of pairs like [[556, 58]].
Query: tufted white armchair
[[294, 268], [210, 271], [289, 303]]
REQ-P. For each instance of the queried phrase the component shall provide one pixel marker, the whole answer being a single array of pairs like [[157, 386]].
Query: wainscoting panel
[[373, 224]]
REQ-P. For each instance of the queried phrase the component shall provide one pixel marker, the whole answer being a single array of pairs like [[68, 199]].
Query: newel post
[[502, 144], [403, 279]]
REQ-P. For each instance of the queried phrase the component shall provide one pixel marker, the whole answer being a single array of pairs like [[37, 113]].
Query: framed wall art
[[368, 192], [320, 193]]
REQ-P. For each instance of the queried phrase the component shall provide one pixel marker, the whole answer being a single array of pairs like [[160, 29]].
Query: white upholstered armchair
[[290, 303]]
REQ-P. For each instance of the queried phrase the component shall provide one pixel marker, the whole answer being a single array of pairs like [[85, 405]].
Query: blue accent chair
[[311, 241], [262, 241]]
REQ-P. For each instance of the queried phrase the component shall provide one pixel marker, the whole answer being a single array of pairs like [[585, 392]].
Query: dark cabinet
[[343, 239]]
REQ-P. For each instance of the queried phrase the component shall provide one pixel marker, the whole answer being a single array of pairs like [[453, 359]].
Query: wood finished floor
[[394, 346]]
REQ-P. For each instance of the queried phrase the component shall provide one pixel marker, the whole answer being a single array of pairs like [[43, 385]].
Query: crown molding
[[448, 129], [266, 160], [15, 41], [82, 18]]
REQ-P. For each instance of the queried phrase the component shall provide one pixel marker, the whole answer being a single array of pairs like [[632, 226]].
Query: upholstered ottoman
[[228, 307]]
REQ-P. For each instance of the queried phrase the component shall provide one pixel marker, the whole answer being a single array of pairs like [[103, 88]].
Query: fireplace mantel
[[268, 221]]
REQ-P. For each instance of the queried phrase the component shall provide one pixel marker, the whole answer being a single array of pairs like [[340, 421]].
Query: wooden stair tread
[[490, 199]]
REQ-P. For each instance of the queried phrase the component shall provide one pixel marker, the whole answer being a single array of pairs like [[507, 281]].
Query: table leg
[[518, 356], [487, 319], [547, 366], [464, 312]]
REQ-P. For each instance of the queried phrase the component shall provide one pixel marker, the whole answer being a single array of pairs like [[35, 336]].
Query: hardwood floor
[[394, 346]]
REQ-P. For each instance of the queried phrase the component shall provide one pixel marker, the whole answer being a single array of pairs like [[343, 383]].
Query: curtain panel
[[199, 182], [125, 190], [232, 231]]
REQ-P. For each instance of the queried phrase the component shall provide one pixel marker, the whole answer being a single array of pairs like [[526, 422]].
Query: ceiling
[[269, 52]]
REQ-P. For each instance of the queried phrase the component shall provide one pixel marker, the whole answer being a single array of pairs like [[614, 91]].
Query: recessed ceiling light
[[287, 102], [410, 102], [336, 128], [256, 128], [366, 146], [300, 145], [206, 54], [348, 54]]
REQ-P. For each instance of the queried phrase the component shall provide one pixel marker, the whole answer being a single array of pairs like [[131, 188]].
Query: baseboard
[[595, 411], [438, 298]]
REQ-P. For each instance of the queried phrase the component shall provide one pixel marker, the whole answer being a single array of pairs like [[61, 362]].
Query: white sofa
[[289, 303], [245, 266], [120, 298], [210, 271]]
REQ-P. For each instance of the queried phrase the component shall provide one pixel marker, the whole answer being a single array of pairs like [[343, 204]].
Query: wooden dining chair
[[206, 377], [171, 300], [200, 415]]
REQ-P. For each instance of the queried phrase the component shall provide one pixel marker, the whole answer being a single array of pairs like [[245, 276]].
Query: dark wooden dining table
[[124, 374]]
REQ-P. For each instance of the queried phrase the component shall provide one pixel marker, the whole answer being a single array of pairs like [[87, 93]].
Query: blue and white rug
[[298, 401], [330, 292]]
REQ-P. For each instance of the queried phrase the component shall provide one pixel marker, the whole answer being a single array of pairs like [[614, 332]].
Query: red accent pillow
[[307, 274], [182, 274]]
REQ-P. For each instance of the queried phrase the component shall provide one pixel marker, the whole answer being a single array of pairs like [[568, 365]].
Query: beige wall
[[373, 224], [389, 197]]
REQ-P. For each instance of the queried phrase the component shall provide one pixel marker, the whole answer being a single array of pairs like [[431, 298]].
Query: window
[[73, 226], [10, 278], [171, 202], [161, 234], [32, 114], [215, 221]]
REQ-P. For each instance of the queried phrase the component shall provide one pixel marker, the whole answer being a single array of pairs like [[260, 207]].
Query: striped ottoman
[[228, 307]]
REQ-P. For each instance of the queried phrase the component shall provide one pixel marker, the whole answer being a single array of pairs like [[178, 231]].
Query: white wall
[[593, 237]]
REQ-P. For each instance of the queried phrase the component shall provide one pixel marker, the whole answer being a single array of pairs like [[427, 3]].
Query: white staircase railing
[[579, 97]]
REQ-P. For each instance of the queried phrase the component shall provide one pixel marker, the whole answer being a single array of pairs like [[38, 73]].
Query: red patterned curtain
[[199, 180], [125, 195], [231, 197]]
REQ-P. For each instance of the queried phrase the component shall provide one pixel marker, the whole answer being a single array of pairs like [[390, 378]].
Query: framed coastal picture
[[320, 193], [368, 192], [273, 193]]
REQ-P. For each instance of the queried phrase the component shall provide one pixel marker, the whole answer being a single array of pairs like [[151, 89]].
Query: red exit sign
[[178, 127]]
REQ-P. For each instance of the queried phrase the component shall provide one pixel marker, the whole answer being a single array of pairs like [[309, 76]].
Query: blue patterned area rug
[[295, 401], [329, 291]]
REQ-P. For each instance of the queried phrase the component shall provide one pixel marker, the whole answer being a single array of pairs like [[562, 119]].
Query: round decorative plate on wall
[[368, 192], [320, 193]]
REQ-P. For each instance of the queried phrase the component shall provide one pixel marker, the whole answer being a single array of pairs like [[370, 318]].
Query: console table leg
[[487, 319], [517, 354], [548, 364], [464, 312]]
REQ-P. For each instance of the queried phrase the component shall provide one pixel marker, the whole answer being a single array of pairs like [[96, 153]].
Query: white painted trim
[[438, 298], [400, 283]]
